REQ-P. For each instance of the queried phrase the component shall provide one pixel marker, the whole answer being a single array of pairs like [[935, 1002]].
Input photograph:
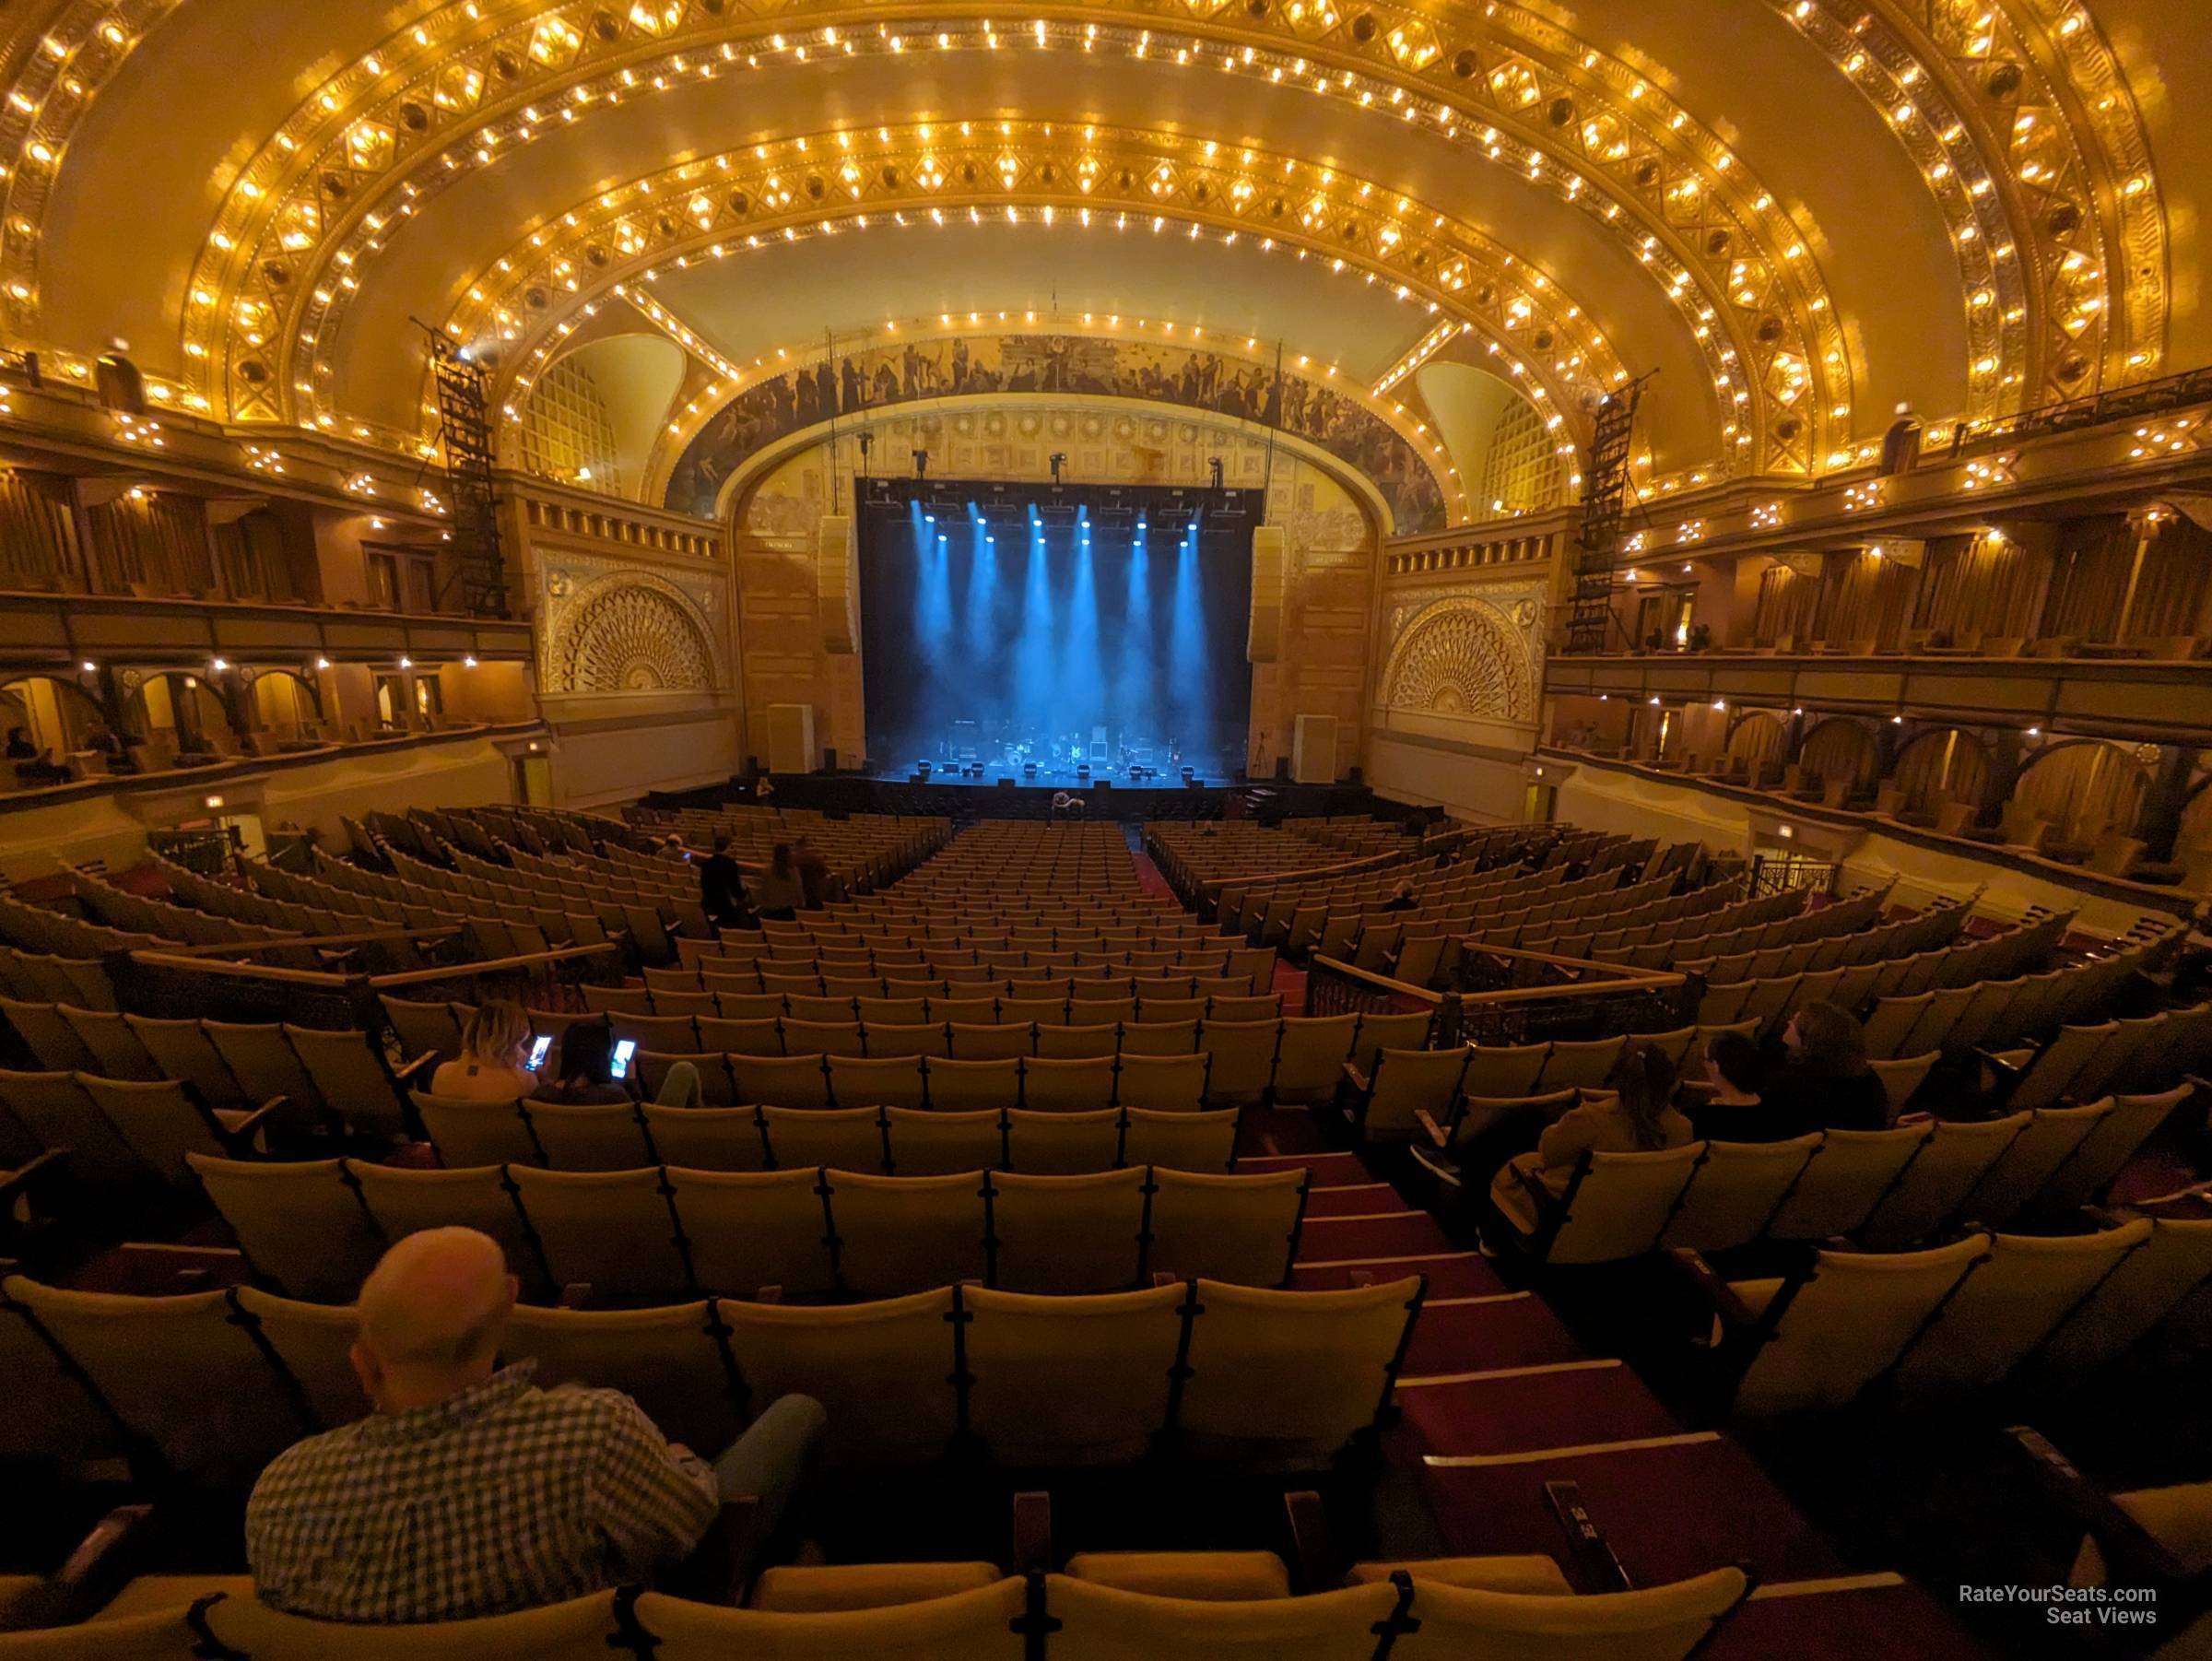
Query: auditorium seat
[[881, 1369], [1582, 1065], [351, 1075], [660, 1356], [965, 1086], [991, 1043], [1063, 1141], [1401, 1085], [1615, 1206], [613, 1230], [1502, 1071], [935, 1141], [1736, 1191], [1079, 1233], [403, 1200], [115, 1050], [894, 1081], [1165, 1036], [184, 1049], [1847, 1177], [1067, 1086], [2111, 1141], [1242, 1229], [1203, 1141], [1087, 1011], [1376, 1033], [53, 1041], [838, 1040], [1652, 1623], [1175, 1083], [1942, 1174], [887, 1039], [1240, 1057], [57, 1112], [748, 1230], [849, 1138], [1056, 1042], [592, 1137], [468, 1132], [2147, 1284], [801, 1080], [301, 1226], [1310, 1057]]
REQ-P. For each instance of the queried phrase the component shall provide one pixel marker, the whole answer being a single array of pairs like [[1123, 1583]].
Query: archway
[[2084, 789], [178, 714], [1841, 752], [57, 716], [1947, 766], [285, 706]]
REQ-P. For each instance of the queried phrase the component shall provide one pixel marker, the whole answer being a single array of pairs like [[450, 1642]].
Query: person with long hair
[[1634, 1113], [1824, 1081], [586, 1073], [494, 1063], [778, 892]]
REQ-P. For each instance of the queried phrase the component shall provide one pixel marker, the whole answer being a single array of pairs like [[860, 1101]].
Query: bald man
[[469, 1490]]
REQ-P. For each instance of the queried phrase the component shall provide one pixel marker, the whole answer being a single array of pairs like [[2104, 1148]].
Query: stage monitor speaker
[[790, 738], [1102, 786], [1005, 783], [1264, 641], [836, 584], [830, 761], [1282, 769], [1314, 749]]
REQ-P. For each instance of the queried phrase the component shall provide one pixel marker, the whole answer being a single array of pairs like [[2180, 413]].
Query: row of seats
[[1201, 977], [2081, 1062], [1219, 1371], [900, 1141], [1101, 1607], [1074, 1003], [317, 1227], [1164, 1083], [1969, 1315], [1885, 1188]]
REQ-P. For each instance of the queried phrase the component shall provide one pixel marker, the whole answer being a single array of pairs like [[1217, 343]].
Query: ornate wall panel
[[1475, 654], [628, 632]]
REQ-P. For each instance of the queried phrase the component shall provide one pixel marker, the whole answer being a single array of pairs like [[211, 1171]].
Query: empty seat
[[2143, 1289], [1075, 1233], [1818, 1341], [1506, 1070], [1242, 1228], [423, 1029], [1200, 1141], [164, 1124], [883, 1371], [1241, 1055], [2101, 1155], [831, 1038], [901, 1234], [707, 1138], [670, 1034], [1291, 1377], [313, 1342], [1379, 1032], [1651, 1623], [851, 1138], [56, 1111], [300, 1224], [1576, 1065], [1059, 1384], [115, 1050], [896, 1082], [1737, 1188], [1078, 1043], [934, 1142], [352, 1077], [779, 1081], [403, 1200], [1067, 1086], [918, 1038], [53, 1041], [1310, 1057], [2030, 1160], [1849, 1174], [1614, 1205], [592, 1137], [748, 1230], [1404, 1084], [1164, 1083], [664, 1357], [184, 1051], [651, 1068], [967, 1085], [1936, 1183], [741, 1035], [1060, 1142], [613, 1230]]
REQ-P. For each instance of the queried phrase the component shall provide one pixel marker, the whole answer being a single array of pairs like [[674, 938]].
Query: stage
[[1113, 800], [1066, 777]]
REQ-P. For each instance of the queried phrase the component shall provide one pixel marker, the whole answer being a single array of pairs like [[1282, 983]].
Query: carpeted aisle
[[1497, 1401]]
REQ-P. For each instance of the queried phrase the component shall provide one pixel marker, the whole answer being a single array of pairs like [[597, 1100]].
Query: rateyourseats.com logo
[[2076, 1605]]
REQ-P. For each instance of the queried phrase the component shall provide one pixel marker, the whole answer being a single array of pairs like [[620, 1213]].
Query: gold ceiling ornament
[[2019, 118], [928, 177], [458, 89], [51, 74]]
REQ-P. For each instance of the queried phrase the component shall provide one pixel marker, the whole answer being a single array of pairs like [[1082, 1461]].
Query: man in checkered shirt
[[471, 1491]]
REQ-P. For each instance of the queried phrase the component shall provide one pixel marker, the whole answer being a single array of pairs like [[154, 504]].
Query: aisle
[[1497, 1399]]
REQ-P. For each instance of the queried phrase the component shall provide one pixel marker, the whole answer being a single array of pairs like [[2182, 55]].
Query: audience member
[[1636, 1115], [722, 888], [494, 1063], [469, 1491], [1823, 1081], [1733, 1087], [587, 1073], [1401, 898], [20, 747], [777, 893], [814, 872]]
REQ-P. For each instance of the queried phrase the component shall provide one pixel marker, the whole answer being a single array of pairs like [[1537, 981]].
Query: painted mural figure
[[882, 374]]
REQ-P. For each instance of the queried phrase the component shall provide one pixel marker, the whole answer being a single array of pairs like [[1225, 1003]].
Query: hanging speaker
[[790, 738], [1264, 641], [1313, 750], [837, 583]]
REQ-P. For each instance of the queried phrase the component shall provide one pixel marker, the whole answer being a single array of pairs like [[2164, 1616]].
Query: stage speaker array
[[790, 738], [1264, 641], [836, 584]]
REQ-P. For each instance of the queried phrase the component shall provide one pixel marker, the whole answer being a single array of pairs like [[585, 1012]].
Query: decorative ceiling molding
[[453, 92]]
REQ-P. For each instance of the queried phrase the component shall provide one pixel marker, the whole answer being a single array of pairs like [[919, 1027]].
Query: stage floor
[[1051, 778]]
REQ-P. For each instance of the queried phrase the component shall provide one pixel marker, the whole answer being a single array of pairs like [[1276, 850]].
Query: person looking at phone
[[494, 1063], [593, 1063]]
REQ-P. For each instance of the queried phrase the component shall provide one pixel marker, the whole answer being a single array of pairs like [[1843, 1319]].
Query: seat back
[[1065, 1144], [896, 1039], [261, 1062], [183, 1051], [2052, 1073], [1060, 1382], [1310, 1057], [476, 1133], [2102, 1154], [351, 1075], [1292, 1376], [1068, 1233], [311, 1341], [588, 1136], [1902, 1079], [1619, 1203], [1098, 1622], [1163, 1083], [747, 1230], [895, 1081], [1652, 1623], [1077, 1044], [53, 1041], [300, 1224], [1406, 1082], [135, 1351], [1584, 1066], [1936, 1183], [883, 1371], [979, 1622], [779, 1081], [613, 1230], [581, 1630], [932, 1142], [1846, 1178], [159, 1119], [2050, 1139], [2009, 1304], [1067, 1086], [707, 1138], [1737, 1188], [664, 1357], [849, 1138], [402, 1200], [1181, 1141], [1847, 1324], [58, 1111], [115, 1050], [897, 1235], [1379, 1032], [2145, 1286], [1242, 1228], [972, 1086]]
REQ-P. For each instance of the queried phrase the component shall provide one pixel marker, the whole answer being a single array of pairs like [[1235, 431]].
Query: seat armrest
[[1032, 1532], [44, 1167], [1437, 1135], [574, 1295], [1597, 1568], [238, 1135], [102, 1564], [2132, 1550], [1312, 1554], [404, 1073], [721, 1567], [1719, 1297]]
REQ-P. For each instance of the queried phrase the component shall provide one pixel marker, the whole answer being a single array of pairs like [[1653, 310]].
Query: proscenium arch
[[1778, 251], [736, 490], [1436, 266], [684, 427]]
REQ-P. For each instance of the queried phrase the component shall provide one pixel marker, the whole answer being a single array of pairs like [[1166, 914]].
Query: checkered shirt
[[504, 1497]]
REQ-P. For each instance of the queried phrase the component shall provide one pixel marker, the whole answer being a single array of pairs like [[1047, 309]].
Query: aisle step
[[1513, 1410]]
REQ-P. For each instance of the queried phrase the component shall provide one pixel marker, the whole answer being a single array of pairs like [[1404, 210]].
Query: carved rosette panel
[[1462, 657], [630, 633]]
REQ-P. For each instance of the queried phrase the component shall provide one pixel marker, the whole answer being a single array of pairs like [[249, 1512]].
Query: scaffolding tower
[[1605, 494], [465, 424]]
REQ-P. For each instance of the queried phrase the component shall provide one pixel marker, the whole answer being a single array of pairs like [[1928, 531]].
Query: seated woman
[[1734, 1090], [493, 1065], [1824, 1083], [1637, 1115], [586, 1073]]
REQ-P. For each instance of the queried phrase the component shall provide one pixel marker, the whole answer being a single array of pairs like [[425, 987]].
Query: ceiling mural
[[896, 372]]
